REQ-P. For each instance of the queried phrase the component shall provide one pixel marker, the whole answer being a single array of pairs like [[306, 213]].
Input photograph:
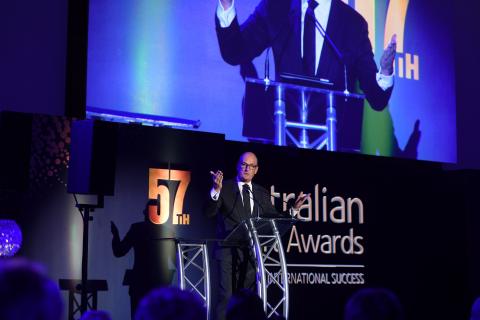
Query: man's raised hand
[[302, 197], [217, 178]]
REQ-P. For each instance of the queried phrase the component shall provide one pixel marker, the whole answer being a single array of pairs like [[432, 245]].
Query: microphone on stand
[[252, 196], [325, 35], [299, 78], [291, 216], [267, 65]]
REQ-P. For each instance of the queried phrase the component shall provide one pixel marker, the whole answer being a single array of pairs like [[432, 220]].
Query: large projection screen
[[162, 58]]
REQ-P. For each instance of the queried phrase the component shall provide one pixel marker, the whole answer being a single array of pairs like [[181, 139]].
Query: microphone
[[252, 196], [325, 35], [267, 65], [276, 211], [296, 12]]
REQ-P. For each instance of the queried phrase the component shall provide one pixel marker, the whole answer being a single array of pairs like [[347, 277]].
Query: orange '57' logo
[[168, 187]]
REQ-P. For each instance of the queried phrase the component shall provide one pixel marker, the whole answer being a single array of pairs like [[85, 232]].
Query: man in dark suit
[[233, 201], [288, 27]]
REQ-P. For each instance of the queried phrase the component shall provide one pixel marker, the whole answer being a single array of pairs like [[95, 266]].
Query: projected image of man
[[314, 38]]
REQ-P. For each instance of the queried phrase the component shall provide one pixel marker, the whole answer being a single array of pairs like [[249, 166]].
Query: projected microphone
[[291, 14], [267, 65], [325, 35], [289, 77]]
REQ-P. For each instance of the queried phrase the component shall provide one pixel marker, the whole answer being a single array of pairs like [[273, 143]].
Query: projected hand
[[300, 200], [388, 56], [217, 180], [226, 4]]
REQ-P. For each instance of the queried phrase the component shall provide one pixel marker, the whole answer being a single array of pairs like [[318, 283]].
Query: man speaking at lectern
[[300, 46], [234, 201]]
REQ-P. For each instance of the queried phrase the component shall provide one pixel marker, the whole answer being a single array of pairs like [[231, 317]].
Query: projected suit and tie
[[163, 58], [300, 48]]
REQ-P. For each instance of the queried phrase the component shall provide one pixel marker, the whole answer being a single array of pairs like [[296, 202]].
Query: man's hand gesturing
[[217, 180]]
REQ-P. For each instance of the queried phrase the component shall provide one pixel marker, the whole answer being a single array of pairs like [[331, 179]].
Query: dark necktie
[[246, 199], [309, 39]]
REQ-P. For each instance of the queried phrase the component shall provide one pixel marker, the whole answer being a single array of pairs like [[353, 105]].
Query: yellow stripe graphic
[[395, 23]]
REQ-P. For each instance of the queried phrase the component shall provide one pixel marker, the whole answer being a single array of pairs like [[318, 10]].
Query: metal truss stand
[[276, 92], [272, 280], [193, 270], [74, 288], [328, 139]]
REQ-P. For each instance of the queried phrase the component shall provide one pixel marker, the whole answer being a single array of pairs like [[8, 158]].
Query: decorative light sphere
[[10, 238]]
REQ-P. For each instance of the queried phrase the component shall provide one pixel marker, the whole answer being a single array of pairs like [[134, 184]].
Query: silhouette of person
[[170, 303], [373, 304], [475, 312], [27, 293], [154, 256], [245, 304]]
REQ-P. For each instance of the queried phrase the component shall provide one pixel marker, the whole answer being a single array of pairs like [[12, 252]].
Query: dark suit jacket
[[229, 211], [277, 24]]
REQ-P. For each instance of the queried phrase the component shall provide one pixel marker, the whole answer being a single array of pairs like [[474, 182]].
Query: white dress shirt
[[240, 184], [322, 12]]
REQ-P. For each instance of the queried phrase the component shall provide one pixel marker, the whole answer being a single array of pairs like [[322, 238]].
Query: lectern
[[264, 237]]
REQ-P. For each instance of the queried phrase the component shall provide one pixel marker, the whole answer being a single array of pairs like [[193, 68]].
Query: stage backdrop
[[372, 221], [162, 58]]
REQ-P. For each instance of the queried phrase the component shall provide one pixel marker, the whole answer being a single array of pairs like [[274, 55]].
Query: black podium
[[264, 237]]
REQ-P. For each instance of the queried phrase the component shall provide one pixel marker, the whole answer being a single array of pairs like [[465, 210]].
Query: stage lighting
[[10, 238]]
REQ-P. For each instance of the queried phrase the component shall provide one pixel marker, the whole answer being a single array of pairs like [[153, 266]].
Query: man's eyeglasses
[[248, 166]]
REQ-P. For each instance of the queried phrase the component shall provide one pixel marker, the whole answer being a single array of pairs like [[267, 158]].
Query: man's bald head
[[247, 167]]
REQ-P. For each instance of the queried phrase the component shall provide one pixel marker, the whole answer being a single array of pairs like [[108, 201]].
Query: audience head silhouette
[[96, 315], [475, 313], [373, 304], [245, 304], [170, 303], [27, 293]]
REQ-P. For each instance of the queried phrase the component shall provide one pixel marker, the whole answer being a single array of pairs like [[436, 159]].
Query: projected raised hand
[[388, 56]]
